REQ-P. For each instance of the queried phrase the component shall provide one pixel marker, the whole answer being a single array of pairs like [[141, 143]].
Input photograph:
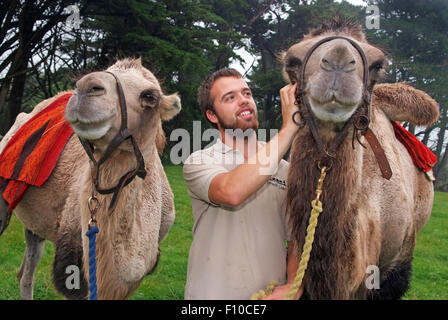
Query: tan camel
[[366, 219], [127, 244]]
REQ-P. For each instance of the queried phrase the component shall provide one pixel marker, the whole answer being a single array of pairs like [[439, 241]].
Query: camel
[[367, 221], [128, 238]]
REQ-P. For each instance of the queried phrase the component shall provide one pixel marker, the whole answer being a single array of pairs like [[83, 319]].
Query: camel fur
[[128, 241]]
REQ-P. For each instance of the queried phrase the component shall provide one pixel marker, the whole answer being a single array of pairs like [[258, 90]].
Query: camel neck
[[338, 221]]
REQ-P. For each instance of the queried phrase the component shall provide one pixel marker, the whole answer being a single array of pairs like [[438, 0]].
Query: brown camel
[[366, 219], [127, 244]]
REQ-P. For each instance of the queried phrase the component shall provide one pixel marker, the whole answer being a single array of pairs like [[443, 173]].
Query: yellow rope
[[305, 257], [262, 294]]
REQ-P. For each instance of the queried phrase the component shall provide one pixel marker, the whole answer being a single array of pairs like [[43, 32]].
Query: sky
[[355, 2]]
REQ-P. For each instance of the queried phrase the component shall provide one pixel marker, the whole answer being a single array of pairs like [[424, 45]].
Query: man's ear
[[170, 106], [211, 116]]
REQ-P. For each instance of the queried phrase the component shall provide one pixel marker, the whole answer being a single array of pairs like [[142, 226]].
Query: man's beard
[[239, 128]]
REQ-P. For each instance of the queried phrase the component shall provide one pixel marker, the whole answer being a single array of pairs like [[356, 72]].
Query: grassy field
[[430, 267]]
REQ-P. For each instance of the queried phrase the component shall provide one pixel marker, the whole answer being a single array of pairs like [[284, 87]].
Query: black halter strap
[[119, 138]]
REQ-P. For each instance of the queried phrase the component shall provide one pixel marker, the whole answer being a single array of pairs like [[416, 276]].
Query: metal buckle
[[92, 222], [91, 208], [300, 123], [325, 162]]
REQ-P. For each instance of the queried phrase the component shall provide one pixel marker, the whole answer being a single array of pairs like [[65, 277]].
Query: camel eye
[[292, 68], [293, 62], [376, 66], [149, 98]]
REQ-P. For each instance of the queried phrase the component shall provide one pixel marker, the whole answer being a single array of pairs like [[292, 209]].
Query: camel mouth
[[92, 130], [335, 102], [332, 110]]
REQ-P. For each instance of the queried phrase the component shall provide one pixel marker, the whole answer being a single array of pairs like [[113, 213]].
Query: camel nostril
[[326, 65], [96, 89], [350, 66]]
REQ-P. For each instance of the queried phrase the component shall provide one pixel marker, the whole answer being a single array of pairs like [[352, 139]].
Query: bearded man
[[238, 193]]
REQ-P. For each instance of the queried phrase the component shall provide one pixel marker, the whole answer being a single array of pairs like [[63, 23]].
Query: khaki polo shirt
[[236, 251]]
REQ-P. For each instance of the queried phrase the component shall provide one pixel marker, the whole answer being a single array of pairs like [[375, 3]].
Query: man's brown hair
[[204, 99]]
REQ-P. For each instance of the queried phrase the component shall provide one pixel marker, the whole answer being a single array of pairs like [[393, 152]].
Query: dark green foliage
[[183, 41]]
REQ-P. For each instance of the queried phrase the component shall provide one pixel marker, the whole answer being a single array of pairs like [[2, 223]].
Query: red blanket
[[422, 157], [31, 154]]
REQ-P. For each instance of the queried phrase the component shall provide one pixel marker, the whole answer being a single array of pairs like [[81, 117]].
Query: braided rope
[[306, 251], [91, 234], [305, 257], [262, 294]]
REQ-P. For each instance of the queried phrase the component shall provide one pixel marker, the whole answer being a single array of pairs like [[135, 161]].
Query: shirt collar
[[222, 147]]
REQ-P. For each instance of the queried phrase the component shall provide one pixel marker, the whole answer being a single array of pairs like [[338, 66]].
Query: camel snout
[[91, 85], [339, 58]]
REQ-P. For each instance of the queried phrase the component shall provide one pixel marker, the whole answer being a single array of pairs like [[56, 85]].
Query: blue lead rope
[[91, 234]]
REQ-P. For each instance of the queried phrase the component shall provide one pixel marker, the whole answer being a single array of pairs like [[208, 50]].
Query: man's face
[[234, 105]]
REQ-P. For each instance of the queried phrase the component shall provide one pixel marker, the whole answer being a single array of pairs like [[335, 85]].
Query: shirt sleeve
[[199, 171]]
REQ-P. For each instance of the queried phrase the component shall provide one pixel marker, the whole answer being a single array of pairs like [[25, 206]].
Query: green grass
[[430, 266]]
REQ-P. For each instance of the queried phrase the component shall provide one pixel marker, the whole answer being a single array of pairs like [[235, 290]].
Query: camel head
[[94, 109], [334, 72]]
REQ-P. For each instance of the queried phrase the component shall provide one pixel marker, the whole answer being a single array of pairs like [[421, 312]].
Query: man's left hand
[[280, 292]]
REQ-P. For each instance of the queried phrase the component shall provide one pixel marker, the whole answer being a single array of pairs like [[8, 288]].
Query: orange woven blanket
[[31, 154]]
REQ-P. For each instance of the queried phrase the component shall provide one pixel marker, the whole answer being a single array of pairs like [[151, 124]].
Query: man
[[238, 197]]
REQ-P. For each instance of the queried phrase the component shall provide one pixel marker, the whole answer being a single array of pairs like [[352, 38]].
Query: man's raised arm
[[234, 187]]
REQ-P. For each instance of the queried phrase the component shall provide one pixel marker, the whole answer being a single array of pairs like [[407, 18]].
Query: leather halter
[[360, 118], [122, 135]]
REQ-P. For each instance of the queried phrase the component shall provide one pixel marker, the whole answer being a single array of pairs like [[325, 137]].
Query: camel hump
[[402, 102]]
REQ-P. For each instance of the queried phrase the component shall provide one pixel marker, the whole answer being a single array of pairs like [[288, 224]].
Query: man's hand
[[280, 292], [289, 106]]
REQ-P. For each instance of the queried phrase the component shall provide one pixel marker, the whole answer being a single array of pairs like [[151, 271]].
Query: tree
[[26, 28]]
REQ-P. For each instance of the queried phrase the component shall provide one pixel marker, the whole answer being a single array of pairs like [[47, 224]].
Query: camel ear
[[170, 106], [377, 70]]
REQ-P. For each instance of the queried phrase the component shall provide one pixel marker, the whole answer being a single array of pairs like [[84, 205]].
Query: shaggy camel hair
[[127, 244], [366, 219]]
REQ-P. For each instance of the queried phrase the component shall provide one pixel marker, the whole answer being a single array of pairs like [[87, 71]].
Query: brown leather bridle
[[122, 135], [360, 118]]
